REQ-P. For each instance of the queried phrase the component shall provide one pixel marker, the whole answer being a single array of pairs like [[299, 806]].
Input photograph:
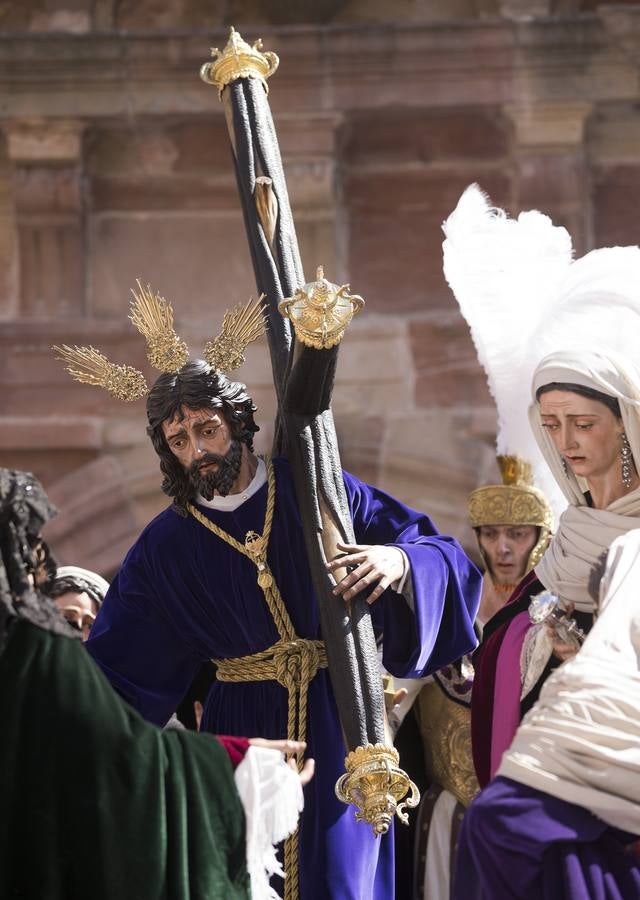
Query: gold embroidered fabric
[[445, 727]]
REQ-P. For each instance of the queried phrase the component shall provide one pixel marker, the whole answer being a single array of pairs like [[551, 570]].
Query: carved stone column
[[551, 170], [46, 182]]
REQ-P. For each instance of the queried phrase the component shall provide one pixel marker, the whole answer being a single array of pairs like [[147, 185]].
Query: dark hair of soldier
[[196, 386]]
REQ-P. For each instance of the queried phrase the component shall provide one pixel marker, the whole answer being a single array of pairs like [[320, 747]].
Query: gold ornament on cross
[[320, 311]]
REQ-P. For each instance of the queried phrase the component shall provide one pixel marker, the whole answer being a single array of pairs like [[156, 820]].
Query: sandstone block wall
[[114, 164]]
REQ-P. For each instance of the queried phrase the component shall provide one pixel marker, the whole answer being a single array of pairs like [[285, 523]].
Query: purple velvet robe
[[518, 843], [183, 595]]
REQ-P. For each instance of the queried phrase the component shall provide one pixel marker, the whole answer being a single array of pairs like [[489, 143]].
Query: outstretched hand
[[373, 564], [286, 746]]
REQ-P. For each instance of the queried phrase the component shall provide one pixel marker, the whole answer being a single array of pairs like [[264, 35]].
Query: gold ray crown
[[240, 326], [152, 315], [88, 365]]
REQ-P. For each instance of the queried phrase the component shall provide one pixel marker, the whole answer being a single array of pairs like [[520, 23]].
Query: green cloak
[[96, 803]]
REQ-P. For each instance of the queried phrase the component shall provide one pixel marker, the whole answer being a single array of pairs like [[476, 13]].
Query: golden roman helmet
[[514, 502], [152, 315]]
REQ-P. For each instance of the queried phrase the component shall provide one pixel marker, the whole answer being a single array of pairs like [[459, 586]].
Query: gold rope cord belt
[[292, 661], [292, 664]]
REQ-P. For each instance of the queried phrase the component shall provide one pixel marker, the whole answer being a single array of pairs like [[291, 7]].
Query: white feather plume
[[597, 307], [507, 275]]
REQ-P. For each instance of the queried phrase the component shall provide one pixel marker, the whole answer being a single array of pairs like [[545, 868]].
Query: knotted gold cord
[[292, 661]]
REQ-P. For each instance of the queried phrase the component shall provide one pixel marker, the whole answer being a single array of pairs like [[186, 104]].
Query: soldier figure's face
[[506, 549]]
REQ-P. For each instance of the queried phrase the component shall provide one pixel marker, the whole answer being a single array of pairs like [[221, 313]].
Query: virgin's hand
[[375, 564], [563, 651]]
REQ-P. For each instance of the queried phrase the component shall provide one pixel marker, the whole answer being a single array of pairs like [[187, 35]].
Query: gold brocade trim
[[292, 661], [445, 727]]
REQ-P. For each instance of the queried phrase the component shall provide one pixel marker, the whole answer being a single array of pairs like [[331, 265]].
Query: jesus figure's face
[[203, 443]]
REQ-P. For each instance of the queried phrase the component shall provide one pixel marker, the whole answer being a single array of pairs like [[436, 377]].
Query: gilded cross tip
[[238, 60]]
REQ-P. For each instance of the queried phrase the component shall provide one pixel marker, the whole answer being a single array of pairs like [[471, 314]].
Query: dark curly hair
[[196, 386]]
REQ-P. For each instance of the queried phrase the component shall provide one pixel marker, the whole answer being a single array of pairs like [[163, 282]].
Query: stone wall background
[[114, 164]]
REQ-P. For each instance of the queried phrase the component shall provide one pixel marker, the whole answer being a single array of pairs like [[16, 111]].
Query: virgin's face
[[584, 431]]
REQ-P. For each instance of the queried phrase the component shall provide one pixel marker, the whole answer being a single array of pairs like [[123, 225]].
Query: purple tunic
[[518, 843], [183, 595]]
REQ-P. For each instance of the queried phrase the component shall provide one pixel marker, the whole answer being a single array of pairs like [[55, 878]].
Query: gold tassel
[[88, 365], [240, 326], [153, 317]]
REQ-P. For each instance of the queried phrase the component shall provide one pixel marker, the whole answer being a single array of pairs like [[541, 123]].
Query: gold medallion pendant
[[256, 548], [265, 578]]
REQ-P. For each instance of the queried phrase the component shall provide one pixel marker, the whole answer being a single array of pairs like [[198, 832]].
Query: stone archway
[[101, 513]]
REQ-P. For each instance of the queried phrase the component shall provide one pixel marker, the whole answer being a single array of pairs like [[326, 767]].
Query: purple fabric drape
[[182, 595], [485, 660], [521, 844], [506, 707]]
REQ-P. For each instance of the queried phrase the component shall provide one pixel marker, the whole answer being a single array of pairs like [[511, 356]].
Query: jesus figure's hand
[[371, 565]]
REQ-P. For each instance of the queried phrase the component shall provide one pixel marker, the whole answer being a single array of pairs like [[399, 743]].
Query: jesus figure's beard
[[223, 478]]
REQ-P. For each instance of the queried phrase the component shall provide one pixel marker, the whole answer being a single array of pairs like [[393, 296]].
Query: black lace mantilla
[[24, 509]]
